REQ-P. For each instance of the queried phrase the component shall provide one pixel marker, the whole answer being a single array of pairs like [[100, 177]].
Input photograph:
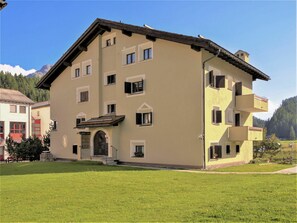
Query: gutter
[[203, 104]]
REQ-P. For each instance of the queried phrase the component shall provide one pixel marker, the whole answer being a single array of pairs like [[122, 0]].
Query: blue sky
[[34, 33]]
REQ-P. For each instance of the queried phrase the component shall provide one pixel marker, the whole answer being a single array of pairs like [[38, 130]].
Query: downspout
[[203, 108]]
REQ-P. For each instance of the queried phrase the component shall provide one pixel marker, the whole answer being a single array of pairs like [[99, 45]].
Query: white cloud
[[272, 106], [16, 69]]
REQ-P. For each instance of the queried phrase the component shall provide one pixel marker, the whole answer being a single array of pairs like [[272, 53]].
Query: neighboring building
[[40, 118], [141, 95], [15, 117]]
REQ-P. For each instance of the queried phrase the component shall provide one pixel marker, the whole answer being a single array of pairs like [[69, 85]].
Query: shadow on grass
[[25, 168]]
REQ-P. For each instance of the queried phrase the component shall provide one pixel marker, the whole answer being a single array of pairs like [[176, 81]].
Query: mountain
[[283, 123], [40, 72], [259, 122]]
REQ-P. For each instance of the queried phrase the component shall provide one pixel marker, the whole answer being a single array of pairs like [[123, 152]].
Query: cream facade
[[15, 117], [142, 96], [41, 118]]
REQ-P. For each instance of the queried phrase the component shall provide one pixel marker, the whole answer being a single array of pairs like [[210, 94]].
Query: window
[[237, 149], [36, 127], [13, 109], [84, 96], [217, 81], [134, 87], [76, 72], [147, 54], [227, 149], [79, 120], [23, 109], [130, 58], [145, 118], [111, 108], [74, 149], [111, 79], [238, 88], [88, 69], [137, 148], [215, 152], [216, 116], [108, 42], [139, 151], [17, 130], [1, 131], [55, 123]]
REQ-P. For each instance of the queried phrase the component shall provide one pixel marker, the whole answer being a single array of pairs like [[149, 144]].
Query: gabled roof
[[8, 95], [41, 104], [99, 26], [102, 121]]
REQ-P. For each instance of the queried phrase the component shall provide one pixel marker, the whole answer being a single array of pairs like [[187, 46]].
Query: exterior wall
[[42, 113], [173, 137], [64, 106], [225, 99], [8, 117]]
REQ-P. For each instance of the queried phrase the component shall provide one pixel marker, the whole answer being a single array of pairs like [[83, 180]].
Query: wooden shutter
[[218, 116], [220, 81], [138, 118], [211, 78], [151, 118], [128, 87], [213, 116], [218, 151], [210, 153], [238, 88]]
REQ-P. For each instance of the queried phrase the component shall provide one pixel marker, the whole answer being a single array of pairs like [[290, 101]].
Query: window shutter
[[210, 153], [220, 81], [138, 119], [218, 116], [55, 125], [151, 117], [211, 78], [218, 151], [238, 88], [128, 87], [213, 116]]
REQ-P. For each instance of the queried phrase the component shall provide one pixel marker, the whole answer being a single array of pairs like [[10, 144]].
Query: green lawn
[[72, 192], [262, 167]]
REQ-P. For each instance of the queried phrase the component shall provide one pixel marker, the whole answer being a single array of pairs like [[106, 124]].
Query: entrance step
[[104, 159]]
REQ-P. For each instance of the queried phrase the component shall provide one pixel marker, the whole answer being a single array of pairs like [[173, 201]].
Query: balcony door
[[237, 119]]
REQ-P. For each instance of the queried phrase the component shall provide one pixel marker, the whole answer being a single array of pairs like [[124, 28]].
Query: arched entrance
[[100, 144]]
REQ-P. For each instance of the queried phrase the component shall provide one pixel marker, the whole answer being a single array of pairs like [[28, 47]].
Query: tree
[[271, 146], [292, 133]]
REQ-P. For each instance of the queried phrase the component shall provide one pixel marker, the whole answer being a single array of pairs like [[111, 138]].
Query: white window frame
[[82, 89], [110, 37], [141, 48], [216, 108], [105, 76], [73, 70], [106, 107], [84, 67], [133, 144], [127, 51], [133, 79]]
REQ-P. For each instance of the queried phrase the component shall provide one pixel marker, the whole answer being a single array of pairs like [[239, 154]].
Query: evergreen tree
[[292, 133]]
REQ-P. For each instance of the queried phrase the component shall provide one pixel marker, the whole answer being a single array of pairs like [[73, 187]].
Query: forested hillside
[[284, 120], [283, 123], [24, 85]]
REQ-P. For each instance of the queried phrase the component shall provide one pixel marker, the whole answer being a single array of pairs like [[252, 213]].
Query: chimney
[[243, 55]]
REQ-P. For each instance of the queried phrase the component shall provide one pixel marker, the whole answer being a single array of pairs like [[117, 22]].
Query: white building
[[15, 117]]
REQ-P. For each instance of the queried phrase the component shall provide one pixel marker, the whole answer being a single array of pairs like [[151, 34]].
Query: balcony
[[251, 103], [245, 133]]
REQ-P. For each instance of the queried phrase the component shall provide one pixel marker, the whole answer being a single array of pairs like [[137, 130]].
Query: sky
[[35, 33]]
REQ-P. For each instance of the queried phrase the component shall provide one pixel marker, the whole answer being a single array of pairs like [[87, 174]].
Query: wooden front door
[[85, 146], [100, 144]]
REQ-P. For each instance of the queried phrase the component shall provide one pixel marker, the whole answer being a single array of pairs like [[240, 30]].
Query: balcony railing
[[251, 103], [245, 133]]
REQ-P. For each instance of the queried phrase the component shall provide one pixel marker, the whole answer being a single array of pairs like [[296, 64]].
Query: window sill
[[147, 60], [112, 84], [137, 157]]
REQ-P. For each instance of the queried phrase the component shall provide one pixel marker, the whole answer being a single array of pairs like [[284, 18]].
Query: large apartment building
[[140, 95], [15, 117]]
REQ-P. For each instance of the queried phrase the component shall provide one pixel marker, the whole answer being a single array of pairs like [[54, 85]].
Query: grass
[[72, 192], [261, 167]]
